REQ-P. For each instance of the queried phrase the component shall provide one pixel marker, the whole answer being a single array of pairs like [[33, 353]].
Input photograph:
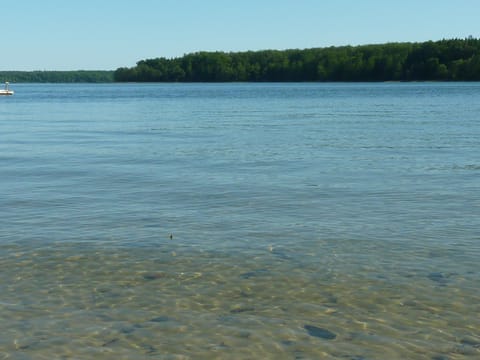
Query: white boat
[[6, 91]]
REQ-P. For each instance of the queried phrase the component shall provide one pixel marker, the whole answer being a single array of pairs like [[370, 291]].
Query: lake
[[240, 221]]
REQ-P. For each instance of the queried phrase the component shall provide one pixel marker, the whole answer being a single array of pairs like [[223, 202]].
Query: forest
[[78, 76], [444, 60]]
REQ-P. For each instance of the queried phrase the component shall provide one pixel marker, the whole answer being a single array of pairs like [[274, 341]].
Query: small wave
[[470, 167]]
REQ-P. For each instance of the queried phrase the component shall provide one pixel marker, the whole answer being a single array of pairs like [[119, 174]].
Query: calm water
[[240, 221]]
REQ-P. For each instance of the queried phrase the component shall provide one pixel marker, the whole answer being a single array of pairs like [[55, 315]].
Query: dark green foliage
[[79, 76], [456, 59]]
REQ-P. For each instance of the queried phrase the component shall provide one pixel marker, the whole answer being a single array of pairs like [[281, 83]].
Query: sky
[[107, 34]]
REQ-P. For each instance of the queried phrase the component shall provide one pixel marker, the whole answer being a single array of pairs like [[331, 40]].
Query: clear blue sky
[[106, 34]]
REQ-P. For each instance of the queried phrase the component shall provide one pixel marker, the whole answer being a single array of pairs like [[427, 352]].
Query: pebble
[[439, 357], [241, 310], [127, 330], [248, 275], [471, 342], [320, 332], [254, 273], [153, 276], [281, 254], [110, 342], [438, 277], [149, 349], [160, 319]]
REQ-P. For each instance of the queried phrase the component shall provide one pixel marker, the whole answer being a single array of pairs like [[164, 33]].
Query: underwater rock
[[320, 332], [281, 254], [464, 349], [438, 277], [241, 310], [149, 349], [153, 276], [440, 357], [471, 342], [127, 329], [160, 319], [221, 346], [250, 274], [110, 342]]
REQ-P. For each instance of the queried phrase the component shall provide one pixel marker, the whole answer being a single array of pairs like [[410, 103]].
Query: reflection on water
[[171, 301]]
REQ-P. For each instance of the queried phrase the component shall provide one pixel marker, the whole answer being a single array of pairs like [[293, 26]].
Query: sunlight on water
[[92, 301]]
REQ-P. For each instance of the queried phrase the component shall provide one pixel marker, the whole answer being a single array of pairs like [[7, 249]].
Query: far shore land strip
[[444, 60]]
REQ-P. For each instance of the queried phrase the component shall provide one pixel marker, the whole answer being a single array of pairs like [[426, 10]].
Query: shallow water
[[296, 221]]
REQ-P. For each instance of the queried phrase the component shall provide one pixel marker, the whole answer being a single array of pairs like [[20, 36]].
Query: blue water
[[241, 165], [356, 176]]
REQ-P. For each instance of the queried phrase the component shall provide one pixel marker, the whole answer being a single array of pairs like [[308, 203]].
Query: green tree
[[454, 59]]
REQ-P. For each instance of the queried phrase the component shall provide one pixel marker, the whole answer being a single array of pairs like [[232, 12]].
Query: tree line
[[78, 76], [445, 60]]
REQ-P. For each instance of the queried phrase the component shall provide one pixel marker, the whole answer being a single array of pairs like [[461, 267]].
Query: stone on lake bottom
[[320, 332], [160, 319]]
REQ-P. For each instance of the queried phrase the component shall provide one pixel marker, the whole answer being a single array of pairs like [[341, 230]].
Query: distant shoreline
[[444, 60], [53, 76]]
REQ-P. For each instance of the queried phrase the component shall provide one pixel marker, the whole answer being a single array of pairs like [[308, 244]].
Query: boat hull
[[6, 92]]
